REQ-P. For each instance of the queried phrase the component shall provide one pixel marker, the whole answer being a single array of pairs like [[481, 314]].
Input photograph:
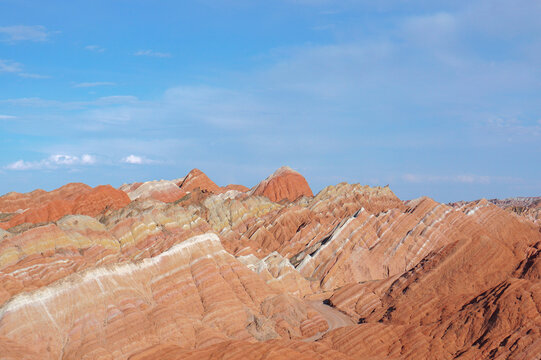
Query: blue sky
[[436, 98]]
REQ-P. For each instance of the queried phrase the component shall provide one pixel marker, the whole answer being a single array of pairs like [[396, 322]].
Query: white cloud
[[21, 165], [7, 117], [513, 129], [93, 84], [137, 160], [10, 66], [463, 178], [63, 159], [133, 159], [23, 33], [53, 162], [31, 102], [95, 48], [33, 76], [88, 159], [117, 99], [152, 53], [102, 101]]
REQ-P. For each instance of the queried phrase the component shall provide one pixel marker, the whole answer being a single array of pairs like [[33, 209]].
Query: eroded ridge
[[188, 269]]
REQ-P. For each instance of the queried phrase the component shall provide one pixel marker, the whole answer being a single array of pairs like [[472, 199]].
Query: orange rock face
[[197, 179], [70, 199], [13, 202], [285, 183], [100, 199], [191, 270], [174, 190]]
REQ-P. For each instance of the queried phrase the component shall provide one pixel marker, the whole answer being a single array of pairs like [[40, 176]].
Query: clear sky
[[436, 98]]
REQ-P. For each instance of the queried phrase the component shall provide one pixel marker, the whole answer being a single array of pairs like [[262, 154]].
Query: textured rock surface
[[14, 202], [194, 294], [197, 179], [161, 190], [191, 270], [528, 207], [174, 190], [70, 199], [285, 183], [462, 300]]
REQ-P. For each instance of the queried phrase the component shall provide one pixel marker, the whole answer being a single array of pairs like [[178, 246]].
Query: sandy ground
[[335, 318]]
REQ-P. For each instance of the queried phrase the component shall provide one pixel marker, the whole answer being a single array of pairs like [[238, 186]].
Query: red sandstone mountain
[[171, 191], [285, 183], [13, 201], [197, 179], [70, 199], [218, 274]]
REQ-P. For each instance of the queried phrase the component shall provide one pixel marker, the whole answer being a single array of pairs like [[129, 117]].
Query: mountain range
[[188, 269]]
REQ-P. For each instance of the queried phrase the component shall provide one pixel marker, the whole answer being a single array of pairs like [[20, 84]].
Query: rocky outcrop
[[527, 207], [161, 190], [16, 202], [64, 201], [284, 183], [174, 190], [197, 179]]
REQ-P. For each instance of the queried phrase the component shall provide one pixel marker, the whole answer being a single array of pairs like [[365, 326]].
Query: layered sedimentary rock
[[197, 179], [14, 202], [186, 269], [169, 191], [463, 300], [193, 294], [70, 199], [528, 207], [284, 183], [161, 190]]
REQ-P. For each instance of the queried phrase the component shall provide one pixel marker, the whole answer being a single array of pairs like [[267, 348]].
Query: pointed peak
[[195, 172], [198, 179]]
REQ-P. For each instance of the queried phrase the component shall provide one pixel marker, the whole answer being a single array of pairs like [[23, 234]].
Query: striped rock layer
[[186, 269]]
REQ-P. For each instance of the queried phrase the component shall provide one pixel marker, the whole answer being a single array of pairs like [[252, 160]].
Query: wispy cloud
[[463, 178], [152, 53], [70, 105], [33, 76], [10, 66], [323, 27], [94, 84], [53, 162], [7, 117], [512, 129], [95, 48], [136, 160], [87, 159], [116, 99], [430, 29], [23, 33]]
